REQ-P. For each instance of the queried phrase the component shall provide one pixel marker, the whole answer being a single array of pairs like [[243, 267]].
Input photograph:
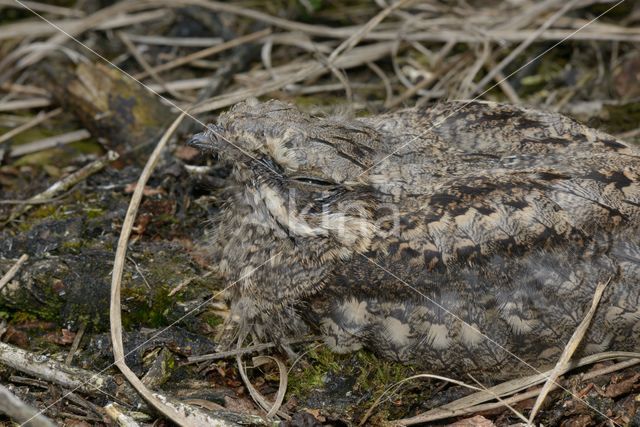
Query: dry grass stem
[[116, 279], [522, 46], [174, 41], [21, 412], [50, 142], [475, 402], [41, 117], [569, 349], [11, 273], [238, 41], [65, 183], [258, 398], [45, 8], [391, 389], [501, 401], [24, 104]]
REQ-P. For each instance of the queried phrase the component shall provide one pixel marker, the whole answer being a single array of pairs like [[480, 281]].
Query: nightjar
[[463, 237]]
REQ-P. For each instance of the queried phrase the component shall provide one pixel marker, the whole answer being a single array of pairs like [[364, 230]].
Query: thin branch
[[118, 267], [67, 182], [238, 41], [569, 349], [41, 117], [51, 142], [9, 275], [522, 46], [21, 412]]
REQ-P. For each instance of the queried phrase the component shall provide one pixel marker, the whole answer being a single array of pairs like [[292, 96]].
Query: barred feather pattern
[[493, 225]]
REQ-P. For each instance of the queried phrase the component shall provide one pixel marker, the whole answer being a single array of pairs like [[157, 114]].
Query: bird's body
[[464, 237]]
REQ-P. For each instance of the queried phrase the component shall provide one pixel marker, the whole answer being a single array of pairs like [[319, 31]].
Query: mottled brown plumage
[[506, 217]]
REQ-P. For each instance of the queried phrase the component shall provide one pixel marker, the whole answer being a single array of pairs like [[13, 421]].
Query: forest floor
[[89, 88]]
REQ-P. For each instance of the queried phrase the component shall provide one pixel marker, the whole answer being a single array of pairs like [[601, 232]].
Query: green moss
[[362, 374], [212, 319], [154, 314], [24, 226], [87, 146], [44, 211], [311, 378], [621, 117], [378, 374], [93, 213], [167, 218], [73, 245], [21, 317]]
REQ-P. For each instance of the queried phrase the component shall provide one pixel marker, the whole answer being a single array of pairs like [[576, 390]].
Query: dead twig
[[250, 349], [569, 349], [24, 104], [66, 183], [206, 52], [181, 417], [21, 412], [41, 117], [52, 371], [257, 397], [51, 142], [75, 344], [9, 275], [148, 69], [475, 403]]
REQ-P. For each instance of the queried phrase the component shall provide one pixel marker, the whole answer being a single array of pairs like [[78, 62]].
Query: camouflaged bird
[[465, 237]]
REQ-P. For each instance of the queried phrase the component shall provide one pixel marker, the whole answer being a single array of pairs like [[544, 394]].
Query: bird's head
[[300, 171]]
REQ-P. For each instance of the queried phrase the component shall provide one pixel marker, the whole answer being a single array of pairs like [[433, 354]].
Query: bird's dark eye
[[313, 181]]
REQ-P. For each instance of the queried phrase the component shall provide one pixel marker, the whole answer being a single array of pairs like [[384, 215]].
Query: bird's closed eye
[[314, 181]]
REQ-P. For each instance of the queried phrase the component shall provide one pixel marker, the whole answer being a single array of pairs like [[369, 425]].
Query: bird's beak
[[201, 141]]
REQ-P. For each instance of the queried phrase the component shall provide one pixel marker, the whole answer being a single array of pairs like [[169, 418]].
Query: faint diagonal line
[[478, 331], [415, 138], [365, 171], [175, 322], [173, 104]]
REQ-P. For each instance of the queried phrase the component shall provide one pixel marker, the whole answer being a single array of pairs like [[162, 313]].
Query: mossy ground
[[347, 385]]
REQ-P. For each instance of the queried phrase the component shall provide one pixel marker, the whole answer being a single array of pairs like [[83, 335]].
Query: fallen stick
[[66, 183], [476, 402], [179, 416], [250, 349], [205, 53], [24, 104], [20, 412], [50, 370], [568, 351], [51, 142], [12, 271], [119, 417], [31, 123]]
